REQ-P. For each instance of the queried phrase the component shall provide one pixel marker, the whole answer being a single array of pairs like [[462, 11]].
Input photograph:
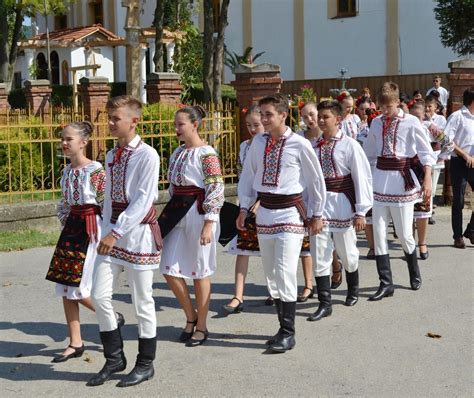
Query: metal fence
[[31, 161]]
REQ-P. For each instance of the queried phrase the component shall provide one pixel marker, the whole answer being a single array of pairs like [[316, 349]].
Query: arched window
[[42, 67], [54, 67], [64, 73]]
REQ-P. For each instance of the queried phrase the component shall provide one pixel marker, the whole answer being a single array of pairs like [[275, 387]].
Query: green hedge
[[196, 94]]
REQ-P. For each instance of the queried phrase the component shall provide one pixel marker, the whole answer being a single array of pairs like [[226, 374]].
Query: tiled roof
[[77, 34]]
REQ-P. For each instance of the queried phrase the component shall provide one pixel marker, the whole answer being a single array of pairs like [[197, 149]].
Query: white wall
[[421, 48], [272, 23], [234, 37], [107, 63]]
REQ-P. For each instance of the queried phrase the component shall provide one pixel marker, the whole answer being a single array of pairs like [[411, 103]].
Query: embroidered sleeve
[[213, 185], [97, 180]]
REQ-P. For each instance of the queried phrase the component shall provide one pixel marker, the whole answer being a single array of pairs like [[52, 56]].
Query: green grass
[[21, 240]]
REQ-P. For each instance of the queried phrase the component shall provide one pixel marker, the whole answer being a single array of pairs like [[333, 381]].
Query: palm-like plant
[[232, 59]]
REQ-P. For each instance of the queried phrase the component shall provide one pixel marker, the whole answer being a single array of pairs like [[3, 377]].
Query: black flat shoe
[[425, 255], [269, 301], [431, 221], [302, 298], [195, 342], [234, 310], [78, 351], [185, 336], [120, 319]]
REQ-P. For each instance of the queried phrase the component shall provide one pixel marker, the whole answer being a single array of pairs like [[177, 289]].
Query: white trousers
[[280, 256], [323, 244], [141, 285], [402, 220]]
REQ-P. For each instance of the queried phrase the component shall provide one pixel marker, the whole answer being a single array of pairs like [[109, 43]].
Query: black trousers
[[461, 175]]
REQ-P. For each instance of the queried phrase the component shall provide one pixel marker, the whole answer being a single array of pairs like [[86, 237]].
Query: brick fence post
[[94, 92], [38, 97], [253, 82], [163, 87]]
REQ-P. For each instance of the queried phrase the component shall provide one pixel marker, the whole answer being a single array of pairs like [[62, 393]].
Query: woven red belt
[[343, 185], [88, 213], [150, 219], [191, 190], [403, 165], [274, 201]]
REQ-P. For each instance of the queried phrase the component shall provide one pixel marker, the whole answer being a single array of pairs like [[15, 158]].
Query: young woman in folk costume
[[82, 187], [190, 222]]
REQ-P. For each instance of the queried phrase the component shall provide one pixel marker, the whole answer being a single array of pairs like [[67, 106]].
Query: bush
[[61, 95], [196, 94], [17, 99], [118, 88]]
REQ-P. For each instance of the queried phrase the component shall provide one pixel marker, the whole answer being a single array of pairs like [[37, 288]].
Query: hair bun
[[200, 110], [88, 127]]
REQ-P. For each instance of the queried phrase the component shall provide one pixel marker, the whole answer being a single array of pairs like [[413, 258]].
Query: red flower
[[244, 111], [342, 96], [301, 105]]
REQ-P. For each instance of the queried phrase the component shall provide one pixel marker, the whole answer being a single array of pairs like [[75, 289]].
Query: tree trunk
[[208, 47], [219, 54], [14, 45], [159, 16], [3, 42]]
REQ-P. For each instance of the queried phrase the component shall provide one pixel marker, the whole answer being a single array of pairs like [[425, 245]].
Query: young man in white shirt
[[280, 165], [443, 93], [460, 129]]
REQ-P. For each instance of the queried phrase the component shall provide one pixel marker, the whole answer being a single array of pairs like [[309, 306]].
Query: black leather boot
[[385, 275], [413, 270], [143, 369], [285, 339], [115, 360], [323, 286], [278, 309], [352, 279]]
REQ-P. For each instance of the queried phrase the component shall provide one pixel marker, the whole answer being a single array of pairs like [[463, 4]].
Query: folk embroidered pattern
[[181, 159], [173, 162], [326, 159], [333, 223], [134, 257], [211, 168], [279, 228], [392, 198], [272, 162], [214, 197], [118, 173], [97, 179], [389, 133], [76, 192]]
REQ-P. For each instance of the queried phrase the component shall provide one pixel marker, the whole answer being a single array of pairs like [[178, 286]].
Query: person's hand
[[106, 245], [469, 161], [240, 222], [315, 225], [435, 130], [359, 223], [427, 188], [206, 233]]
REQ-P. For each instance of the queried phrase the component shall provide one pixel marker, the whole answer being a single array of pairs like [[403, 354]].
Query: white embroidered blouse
[[199, 167], [132, 178], [287, 167], [339, 157], [85, 185], [403, 137]]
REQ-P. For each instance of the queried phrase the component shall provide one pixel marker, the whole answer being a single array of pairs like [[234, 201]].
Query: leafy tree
[[12, 13], [455, 19]]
